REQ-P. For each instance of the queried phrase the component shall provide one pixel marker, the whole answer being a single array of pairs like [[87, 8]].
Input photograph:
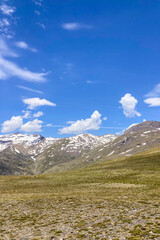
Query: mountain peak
[[144, 126]]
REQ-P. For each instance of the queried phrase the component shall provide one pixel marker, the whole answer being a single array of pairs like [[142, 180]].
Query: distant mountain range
[[22, 154]]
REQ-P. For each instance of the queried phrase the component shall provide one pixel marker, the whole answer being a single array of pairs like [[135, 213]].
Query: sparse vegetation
[[117, 199]]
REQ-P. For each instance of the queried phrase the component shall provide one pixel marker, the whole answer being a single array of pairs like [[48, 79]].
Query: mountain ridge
[[59, 154]]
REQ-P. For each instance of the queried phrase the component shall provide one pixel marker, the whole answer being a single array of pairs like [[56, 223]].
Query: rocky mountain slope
[[64, 150], [137, 138], [32, 153], [44, 152]]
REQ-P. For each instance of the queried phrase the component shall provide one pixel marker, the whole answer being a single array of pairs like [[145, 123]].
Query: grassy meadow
[[116, 199]]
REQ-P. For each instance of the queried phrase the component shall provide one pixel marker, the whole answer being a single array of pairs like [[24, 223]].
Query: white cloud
[[10, 69], [80, 126], [155, 92], [4, 26], [4, 22], [37, 12], [38, 2], [29, 89], [37, 102], [8, 19], [128, 104], [27, 114], [49, 125], [32, 126], [89, 82], [41, 25], [12, 124], [6, 9], [153, 99], [75, 26], [38, 114], [70, 122], [153, 102], [24, 45], [5, 51], [105, 118]]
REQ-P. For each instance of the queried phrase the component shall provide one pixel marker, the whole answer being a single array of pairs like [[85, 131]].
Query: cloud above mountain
[[83, 125], [128, 105], [32, 126], [153, 102], [153, 99], [11, 125]]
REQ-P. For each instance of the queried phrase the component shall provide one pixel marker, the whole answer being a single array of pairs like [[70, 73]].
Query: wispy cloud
[[41, 25], [155, 92], [38, 2], [153, 97], [6, 9], [153, 102], [24, 45], [129, 104], [83, 125], [38, 114], [75, 26], [30, 89], [27, 114], [5, 51], [37, 102], [7, 20], [37, 12], [10, 69], [4, 26], [90, 82]]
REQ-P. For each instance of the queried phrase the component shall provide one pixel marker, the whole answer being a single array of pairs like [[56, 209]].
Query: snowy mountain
[[32, 143], [18, 152], [37, 148]]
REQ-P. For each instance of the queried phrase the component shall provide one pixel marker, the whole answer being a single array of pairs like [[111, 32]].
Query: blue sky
[[68, 67]]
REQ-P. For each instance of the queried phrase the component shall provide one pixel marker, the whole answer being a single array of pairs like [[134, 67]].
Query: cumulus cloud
[[29, 89], [24, 45], [75, 26], [6, 9], [37, 102], [129, 104], [38, 114], [32, 126], [153, 102], [10, 69], [83, 125], [12, 124]]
